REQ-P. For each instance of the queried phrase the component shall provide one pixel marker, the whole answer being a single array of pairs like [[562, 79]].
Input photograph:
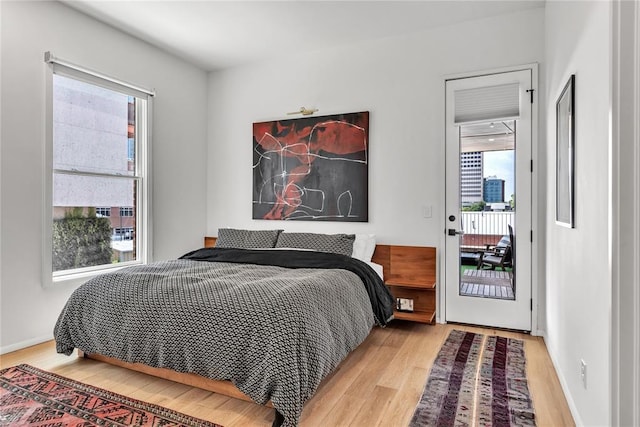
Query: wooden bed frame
[[382, 256]]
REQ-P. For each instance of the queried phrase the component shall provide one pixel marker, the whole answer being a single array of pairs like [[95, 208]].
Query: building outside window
[[470, 177], [128, 211], [493, 190]]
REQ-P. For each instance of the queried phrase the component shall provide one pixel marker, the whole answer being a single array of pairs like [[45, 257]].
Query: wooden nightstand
[[410, 272]]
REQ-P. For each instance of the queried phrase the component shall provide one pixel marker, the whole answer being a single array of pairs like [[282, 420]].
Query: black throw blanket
[[382, 301]]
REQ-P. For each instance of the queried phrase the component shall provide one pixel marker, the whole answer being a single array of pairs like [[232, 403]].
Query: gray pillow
[[332, 243], [246, 239]]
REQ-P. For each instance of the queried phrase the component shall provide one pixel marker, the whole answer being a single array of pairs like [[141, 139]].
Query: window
[[103, 212], [122, 234], [97, 147]]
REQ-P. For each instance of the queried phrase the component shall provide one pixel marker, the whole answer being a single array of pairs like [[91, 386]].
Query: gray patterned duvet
[[275, 332]]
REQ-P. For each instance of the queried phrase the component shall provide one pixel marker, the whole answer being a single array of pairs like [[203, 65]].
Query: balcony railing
[[485, 228]]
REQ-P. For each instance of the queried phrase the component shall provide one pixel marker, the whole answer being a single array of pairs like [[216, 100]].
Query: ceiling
[[488, 136], [222, 34]]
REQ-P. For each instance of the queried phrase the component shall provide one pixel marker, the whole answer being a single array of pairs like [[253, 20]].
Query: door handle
[[453, 232]]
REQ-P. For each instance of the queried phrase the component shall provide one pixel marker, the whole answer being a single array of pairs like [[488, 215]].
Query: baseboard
[[24, 344], [563, 383]]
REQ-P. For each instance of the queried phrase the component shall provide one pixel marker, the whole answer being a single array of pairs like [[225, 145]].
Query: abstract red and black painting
[[312, 168]]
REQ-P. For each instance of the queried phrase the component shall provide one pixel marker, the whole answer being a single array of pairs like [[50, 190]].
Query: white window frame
[[144, 114], [99, 213]]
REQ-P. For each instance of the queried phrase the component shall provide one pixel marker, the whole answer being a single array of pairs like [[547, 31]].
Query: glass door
[[488, 154]]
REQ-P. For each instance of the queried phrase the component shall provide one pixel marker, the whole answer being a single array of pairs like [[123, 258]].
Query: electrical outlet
[[427, 211], [583, 373]]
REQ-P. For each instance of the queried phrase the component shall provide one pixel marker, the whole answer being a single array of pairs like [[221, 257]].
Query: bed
[[274, 322]]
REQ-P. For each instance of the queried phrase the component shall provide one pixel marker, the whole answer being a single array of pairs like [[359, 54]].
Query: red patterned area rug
[[32, 397], [477, 380]]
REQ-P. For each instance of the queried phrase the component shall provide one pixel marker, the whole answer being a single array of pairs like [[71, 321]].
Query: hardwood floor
[[379, 384]]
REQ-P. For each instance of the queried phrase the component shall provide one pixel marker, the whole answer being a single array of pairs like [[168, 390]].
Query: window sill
[[78, 278]]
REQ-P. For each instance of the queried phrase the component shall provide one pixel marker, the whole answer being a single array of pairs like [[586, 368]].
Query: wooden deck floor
[[487, 284]]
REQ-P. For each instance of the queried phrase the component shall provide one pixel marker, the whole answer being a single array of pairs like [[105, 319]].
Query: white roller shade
[[78, 72], [487, 103]]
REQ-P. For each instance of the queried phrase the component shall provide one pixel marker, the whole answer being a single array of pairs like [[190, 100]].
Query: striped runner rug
[[476, 380]]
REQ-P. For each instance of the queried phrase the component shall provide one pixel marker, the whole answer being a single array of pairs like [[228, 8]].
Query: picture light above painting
[[312, 168]]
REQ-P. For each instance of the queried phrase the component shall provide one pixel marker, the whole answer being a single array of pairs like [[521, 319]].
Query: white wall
[[28, 29], [578, 274], [399, 80]]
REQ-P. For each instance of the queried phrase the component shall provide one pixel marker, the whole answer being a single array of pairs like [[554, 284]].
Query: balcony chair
[[500, 255]]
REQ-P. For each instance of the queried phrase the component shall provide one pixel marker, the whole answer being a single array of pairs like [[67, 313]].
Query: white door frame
[[538, 235]]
